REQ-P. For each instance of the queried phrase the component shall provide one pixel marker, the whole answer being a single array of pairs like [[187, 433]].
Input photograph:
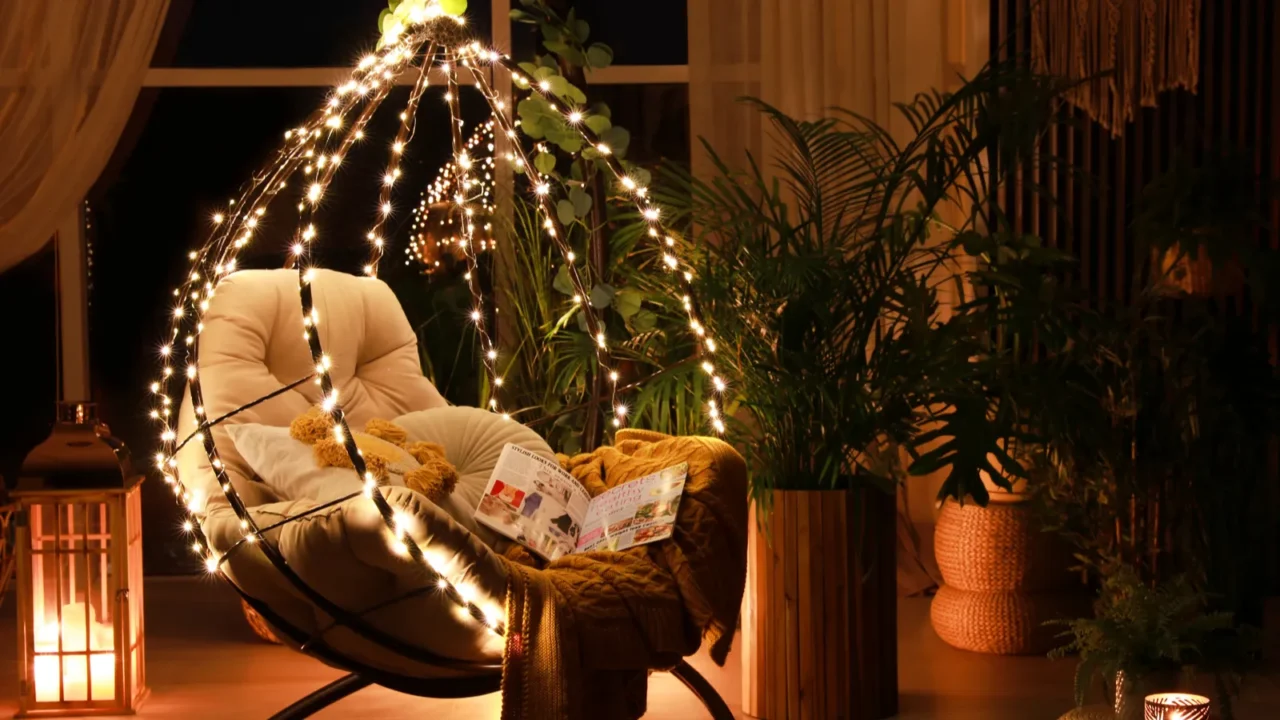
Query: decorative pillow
[[380, 447], [289, 466], [472, 440]]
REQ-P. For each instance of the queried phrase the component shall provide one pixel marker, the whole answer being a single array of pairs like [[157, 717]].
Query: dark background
[[187, 150]]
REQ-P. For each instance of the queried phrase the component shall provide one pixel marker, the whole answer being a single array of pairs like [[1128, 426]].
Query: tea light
[[1176, 706]]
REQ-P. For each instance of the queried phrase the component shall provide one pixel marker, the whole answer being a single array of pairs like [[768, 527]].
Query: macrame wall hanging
[[1125, 52]]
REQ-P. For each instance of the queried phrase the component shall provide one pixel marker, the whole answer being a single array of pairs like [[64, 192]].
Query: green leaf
[[563, 284], [529, 68], [581, 30], [559, 86], [533, 128], [531, 108], [556, 46], [602, 295], [545, 162], [644, 321], [582, 322], [580, 202], [564, 212], [453, 7], [642, 177], [597, 123], [617, 138], [565, 138], [384, 17], [602, 109], [522, 16], [627, 303], [599, 56]]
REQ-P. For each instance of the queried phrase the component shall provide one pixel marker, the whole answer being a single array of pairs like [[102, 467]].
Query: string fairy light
[[652, 214], [314, 151], [435, 226]]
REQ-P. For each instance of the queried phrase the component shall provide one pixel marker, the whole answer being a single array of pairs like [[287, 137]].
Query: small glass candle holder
[[1176, 706]]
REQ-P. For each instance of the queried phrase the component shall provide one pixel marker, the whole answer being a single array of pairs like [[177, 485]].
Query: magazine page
[[532, 501], [634, 513]]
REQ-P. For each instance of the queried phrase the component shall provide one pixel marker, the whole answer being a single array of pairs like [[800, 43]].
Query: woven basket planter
[[1004, 623], [999, 548], [1003, 578]]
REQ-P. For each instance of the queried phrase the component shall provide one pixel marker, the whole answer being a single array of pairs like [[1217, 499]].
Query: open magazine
[[532, 501]]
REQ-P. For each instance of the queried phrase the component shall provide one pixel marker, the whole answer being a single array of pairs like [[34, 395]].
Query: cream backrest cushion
[[252, 345]]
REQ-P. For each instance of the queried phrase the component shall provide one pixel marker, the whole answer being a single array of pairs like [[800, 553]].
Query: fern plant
[[1147, 633]]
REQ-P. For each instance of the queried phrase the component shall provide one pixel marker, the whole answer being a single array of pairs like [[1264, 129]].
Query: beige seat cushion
[[253, 344]]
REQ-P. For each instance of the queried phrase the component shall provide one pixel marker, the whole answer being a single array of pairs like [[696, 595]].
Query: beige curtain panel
[[807, 56], [70, 71]]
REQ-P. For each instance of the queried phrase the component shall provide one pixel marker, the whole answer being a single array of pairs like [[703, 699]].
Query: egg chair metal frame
[[430, 44]]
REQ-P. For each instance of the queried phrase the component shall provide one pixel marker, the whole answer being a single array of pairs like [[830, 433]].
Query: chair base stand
[[452, 688]]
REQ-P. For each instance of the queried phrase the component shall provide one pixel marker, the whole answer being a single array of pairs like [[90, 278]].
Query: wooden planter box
[[817, 643]]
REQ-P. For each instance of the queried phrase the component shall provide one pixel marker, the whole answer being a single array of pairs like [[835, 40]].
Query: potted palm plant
[[825, 265]]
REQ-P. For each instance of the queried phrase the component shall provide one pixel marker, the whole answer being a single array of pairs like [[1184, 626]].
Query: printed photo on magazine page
[[634, 513], [532, 501]]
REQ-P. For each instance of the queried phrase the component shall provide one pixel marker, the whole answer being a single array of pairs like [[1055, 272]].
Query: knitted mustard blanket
[[584, 632]]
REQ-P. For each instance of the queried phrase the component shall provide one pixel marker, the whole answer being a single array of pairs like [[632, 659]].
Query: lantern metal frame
[[120, 543]]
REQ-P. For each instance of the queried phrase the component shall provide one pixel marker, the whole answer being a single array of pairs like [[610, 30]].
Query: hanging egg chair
[[368, 576]]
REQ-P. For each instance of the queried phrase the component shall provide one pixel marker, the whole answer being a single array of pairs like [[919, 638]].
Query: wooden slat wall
[[1238, 105]]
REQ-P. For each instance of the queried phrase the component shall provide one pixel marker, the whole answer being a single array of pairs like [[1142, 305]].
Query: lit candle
[[76, 675], [1176, 706]]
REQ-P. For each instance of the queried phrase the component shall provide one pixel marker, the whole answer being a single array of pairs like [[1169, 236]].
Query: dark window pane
[[287, 33], [657, 117], [655, 32], [655, 35], [29, 325]]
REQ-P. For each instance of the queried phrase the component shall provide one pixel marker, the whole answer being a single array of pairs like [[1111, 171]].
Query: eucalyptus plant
[[549, 364]]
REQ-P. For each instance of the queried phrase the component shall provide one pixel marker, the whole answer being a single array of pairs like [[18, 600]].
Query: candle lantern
[[1176, 706], [79, 580]]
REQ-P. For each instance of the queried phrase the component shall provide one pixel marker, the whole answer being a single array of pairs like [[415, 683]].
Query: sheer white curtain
[[70, 71], [806, 56]]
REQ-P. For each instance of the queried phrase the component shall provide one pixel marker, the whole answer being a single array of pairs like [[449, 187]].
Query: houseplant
[[1002, 577], [1157, 471], [824, 264], [1143, 639], [546, 356]]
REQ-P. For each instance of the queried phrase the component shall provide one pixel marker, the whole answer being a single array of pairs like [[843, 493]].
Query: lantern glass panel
[[73, 633]]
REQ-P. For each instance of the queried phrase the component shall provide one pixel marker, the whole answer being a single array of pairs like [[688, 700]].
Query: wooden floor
[[203, 663]]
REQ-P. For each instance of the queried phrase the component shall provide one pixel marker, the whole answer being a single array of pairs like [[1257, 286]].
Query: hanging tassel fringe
[[1125, 52]]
